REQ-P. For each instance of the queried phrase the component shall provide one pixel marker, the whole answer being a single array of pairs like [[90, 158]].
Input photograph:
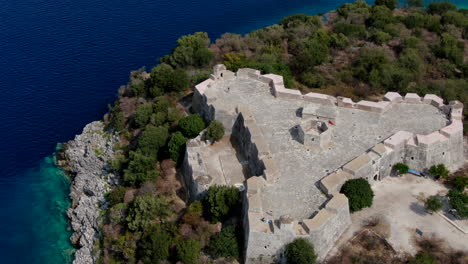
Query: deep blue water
[[61, 63]]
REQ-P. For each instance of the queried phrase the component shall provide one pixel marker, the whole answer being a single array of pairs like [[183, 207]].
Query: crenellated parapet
[[418, 151]]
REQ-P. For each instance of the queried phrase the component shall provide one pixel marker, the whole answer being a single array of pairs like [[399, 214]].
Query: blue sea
[[61, 63]]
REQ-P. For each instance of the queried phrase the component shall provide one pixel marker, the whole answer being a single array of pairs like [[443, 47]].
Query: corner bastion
[[292, 182]]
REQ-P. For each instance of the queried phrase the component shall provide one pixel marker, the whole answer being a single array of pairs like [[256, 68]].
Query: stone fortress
[[293, 152]]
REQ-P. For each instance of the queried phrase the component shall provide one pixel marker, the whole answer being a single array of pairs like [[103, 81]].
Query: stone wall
[[265, 238]]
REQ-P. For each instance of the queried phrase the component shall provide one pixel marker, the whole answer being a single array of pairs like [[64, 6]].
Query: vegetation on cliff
[[359, 51]]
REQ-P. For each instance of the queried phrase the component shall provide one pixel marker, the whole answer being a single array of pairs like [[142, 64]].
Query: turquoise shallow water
[[61, 62]]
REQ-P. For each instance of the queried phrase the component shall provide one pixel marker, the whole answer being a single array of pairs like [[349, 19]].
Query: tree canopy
[[192, 125], [147, 209], [220, 201], [359, 193], [300, 251]]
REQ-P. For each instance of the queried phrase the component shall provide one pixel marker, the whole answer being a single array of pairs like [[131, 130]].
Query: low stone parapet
[[320, 99], [434, 100], [393, 97], [377, 107], [412, 98]]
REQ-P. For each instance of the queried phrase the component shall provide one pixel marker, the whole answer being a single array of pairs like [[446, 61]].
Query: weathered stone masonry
[[318, 134]]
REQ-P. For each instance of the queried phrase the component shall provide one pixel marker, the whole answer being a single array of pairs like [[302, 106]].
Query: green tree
[[351, 30], [411, 61], [215, 130], [380, 16], [116, 119], [191, 50], [390, 4], [192, 125], [450, 48], [460, 183], [295, 20], [141, 168], [441, 7], [155, 246], [312, 80], [401, 168], [433, 204], [371, 66], [339, 41], [459, 201], [300, 251], [414, 3], [310, 53], [116, 195], [188, 251], [152, 139], [165, 79], [146, 210], [143, 115], [225, 244], [456, 18], [359, 193], [381, 37], [177, 146], [439, 171], [220, 202], [415, 20]]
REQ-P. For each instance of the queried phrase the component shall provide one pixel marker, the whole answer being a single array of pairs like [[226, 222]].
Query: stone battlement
[[299, 149]]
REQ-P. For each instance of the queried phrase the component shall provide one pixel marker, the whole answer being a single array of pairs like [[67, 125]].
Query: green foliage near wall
[[401, 168], [359, 193], [192, 125], [300, 251], [221, 201], [433, 204], [146, 210], [188, 251], [176, 146], [225, 244], [215, 130], [439, 171], [423, 258], [459, 201]]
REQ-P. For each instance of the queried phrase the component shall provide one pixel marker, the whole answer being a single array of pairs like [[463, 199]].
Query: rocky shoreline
[[86, 159]]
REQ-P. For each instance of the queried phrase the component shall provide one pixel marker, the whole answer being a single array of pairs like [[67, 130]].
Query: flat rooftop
[[355, 131]]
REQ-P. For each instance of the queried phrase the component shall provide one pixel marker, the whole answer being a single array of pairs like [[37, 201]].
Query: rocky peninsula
[[86, 159]]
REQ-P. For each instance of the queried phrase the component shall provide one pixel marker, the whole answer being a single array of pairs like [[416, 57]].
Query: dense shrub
[[371, 66], [225, 244], [152, 139], [460, 182], [116, 195], [165, 79], [380, 16], [300, 19], [215, 130], [415, 3], [221, 201], [450, 48], [459, 201], [300, 251], [308, 54], [155, 246], [191, 50], [116, 119], [313, 80], [439, 171], [415, 20], [433, 204], [381, 37], [188, 251], [117, 213], [440, 7], [176, 146], [192, 125], [146, 210], [339, 41], [143, 115], [141, 168], [401, 168], [359, 193], [456, 18], [350, 30], [390, 4]]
